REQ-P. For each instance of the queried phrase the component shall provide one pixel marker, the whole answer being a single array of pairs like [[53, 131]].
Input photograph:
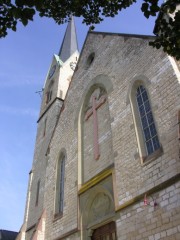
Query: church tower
[[54, 92]]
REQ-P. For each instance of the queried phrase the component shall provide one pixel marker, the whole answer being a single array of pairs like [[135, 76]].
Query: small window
[[90, 60], [147, 121], [37, 193]]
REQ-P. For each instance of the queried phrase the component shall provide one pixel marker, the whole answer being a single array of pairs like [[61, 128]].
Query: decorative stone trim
[[31, 227], [57, 216], [67, 234], [146, 160], [95, 180], [157, 188], [57, 98]]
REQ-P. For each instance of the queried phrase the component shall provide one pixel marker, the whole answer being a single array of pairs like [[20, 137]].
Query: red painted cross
[[93, 111]]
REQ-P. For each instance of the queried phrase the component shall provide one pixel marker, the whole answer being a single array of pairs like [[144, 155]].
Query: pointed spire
[[69, 44]]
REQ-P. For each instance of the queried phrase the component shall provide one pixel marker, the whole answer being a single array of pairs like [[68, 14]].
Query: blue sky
[[25, 57]]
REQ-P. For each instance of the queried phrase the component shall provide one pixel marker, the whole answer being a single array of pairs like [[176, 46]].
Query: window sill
[[146, 160], [57, 216]]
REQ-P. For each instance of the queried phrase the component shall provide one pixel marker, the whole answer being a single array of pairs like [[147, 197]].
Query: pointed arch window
[[145, 127], [45, 127], [37, 193], [147, 121], [49, 92], [59, 204], [150, 136]]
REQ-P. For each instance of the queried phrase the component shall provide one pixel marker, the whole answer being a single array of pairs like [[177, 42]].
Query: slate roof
[[69, 44], [8, 235]]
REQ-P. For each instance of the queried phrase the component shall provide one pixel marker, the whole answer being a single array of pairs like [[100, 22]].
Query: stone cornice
[[157, 188], [95, 180]]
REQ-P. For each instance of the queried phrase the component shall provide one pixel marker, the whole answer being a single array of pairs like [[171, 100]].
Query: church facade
[[107, 157]]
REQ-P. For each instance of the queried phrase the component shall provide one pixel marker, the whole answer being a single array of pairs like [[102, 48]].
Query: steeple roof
[[69, 44]]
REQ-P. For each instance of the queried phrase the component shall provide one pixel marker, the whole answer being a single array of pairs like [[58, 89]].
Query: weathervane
[[40, 92]]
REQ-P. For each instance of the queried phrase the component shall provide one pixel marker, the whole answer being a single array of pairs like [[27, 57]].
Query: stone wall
[[149, 222], [34, 210]]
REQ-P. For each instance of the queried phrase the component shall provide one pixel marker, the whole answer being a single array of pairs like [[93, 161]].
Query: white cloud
[[8, 80], [19, 111]]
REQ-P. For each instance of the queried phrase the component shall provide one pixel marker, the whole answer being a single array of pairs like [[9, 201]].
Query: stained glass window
[[147, 121]]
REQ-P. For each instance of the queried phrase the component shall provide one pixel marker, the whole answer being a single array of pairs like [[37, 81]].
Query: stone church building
[[107, 159]]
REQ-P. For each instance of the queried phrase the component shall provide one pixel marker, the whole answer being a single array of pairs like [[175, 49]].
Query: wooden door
[[106, 232]]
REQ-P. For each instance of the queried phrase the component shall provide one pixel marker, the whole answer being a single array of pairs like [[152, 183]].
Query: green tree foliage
[[93, 12]]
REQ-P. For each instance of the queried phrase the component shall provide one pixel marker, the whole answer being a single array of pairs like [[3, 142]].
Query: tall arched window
[[147, 122], [37, 193], [59, 203], [149, 146], [45, 126]]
